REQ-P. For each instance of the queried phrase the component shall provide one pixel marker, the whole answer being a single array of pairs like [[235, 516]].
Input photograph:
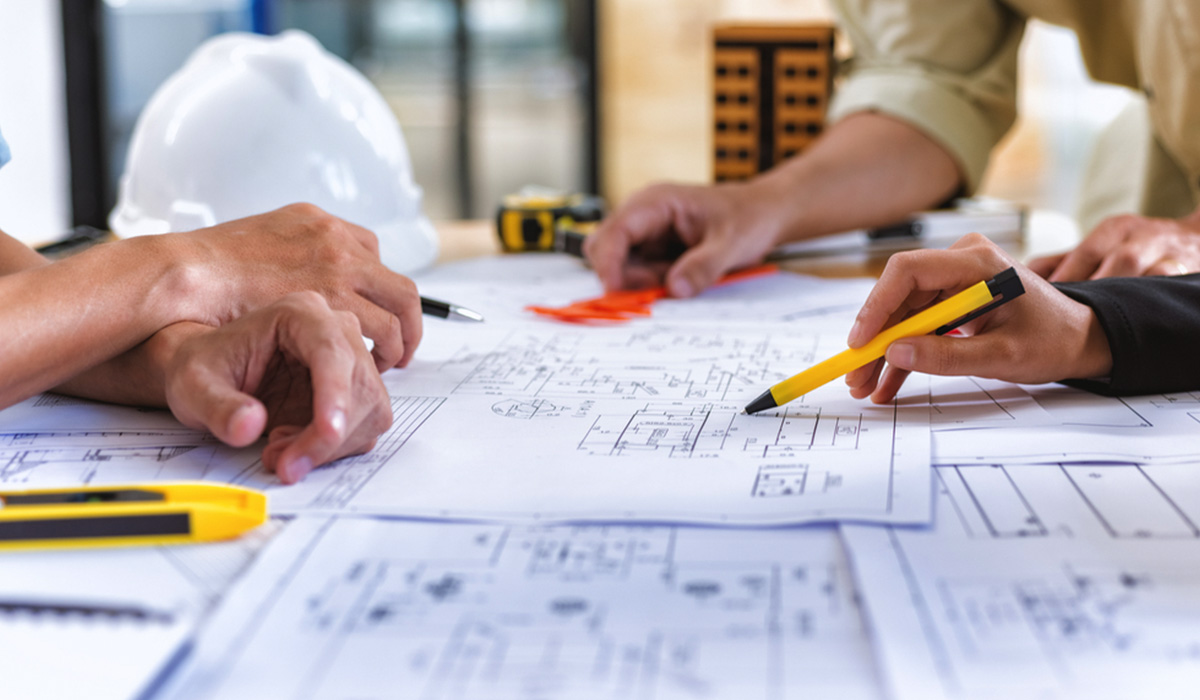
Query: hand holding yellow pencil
[[940, 318]]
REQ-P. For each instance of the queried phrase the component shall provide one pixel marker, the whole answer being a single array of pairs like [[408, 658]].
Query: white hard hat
[[253, 123]]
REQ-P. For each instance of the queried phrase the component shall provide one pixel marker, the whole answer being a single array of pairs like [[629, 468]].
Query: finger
[[397, 330], [331, 363], [1077, 265], [1081, 263], [1045, 266], [930, 272], [365, 237], [608, 249], [889, 386], [274, 447], [384, 329], [980, 356], [863, 380], [644, 275], [206, 399], [698, 268], [277, 441], [1128, 260], [1168, 267]]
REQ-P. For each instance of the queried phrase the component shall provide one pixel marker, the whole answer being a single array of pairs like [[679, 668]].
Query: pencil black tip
[[762, 403]]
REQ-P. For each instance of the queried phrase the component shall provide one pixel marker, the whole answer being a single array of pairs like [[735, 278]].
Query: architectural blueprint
[[1040, 580], [362, 608], [1085, 427], [644, 423], [537, 421], [967, 403]]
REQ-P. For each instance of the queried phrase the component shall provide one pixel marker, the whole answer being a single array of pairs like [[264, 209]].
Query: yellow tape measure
[[546, 222]]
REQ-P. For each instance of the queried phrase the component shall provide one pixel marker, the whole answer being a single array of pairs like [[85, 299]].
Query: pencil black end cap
[[762, 403]]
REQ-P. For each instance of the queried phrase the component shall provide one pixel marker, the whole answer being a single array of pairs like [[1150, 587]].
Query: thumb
[[697, 269], [945, 356], [209, 401]]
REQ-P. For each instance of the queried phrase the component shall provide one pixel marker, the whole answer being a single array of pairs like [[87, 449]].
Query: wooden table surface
[[1048, 232]]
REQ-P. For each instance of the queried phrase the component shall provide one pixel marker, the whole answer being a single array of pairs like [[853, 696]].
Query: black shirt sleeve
[[1153, 330]]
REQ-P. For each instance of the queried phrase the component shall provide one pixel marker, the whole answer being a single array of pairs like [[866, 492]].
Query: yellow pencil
[[940, 318]]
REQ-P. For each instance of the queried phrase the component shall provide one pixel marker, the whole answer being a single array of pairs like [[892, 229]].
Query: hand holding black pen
[[1044, 336]]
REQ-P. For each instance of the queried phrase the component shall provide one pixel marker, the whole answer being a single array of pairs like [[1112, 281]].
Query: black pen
[[448, 311]]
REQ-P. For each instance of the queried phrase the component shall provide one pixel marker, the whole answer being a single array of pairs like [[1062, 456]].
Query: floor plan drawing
[[621, 459], [451, 611], [335, 485], [657, 362], [523, 420], [708, 430], [1083, 427], [1072, 500], [1048, 581], [30, 460], [971, 402]]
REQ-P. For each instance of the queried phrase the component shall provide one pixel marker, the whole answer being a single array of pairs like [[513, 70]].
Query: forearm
[[867, 170], [15, 256], [65, 318], [1152, 325], [136, 377]]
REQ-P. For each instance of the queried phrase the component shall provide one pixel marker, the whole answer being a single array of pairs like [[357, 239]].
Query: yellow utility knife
[[122, 516]]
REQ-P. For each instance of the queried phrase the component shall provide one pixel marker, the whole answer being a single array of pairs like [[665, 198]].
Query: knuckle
[[307, 210], [381, 419], [1122, 221], [974, 239], [900, 263], [349, 323], [408, 288], [307, 301], [1126, 257], [333, 251]]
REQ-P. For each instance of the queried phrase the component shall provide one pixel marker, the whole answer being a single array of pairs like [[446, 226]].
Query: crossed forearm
[[70, 317]]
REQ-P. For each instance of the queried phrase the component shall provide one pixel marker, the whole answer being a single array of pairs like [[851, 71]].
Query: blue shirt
[[4, 153]]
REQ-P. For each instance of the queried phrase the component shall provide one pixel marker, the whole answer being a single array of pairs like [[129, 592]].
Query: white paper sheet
[[1084, 427], [60, 634], [501, 287], [359, 608], [633, 423], [968, 403], [1049, 581]]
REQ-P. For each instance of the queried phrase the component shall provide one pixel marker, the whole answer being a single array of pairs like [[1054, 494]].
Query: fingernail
[[237, 418], [337, 421], [297, 469], [681, 287], [854, 331], [900, 355]]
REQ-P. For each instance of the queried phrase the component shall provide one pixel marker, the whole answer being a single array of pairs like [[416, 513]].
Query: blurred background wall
[[492, 94]]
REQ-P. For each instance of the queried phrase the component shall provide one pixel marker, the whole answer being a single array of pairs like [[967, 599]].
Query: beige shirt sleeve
[[948, 67]]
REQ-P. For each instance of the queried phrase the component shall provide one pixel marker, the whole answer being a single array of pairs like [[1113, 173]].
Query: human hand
[[682, 236], [256, 260], [1043, 336], [1128, 246], [295, 369]]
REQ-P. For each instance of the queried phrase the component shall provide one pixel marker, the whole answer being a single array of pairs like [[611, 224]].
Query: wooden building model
[[771, 87]]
